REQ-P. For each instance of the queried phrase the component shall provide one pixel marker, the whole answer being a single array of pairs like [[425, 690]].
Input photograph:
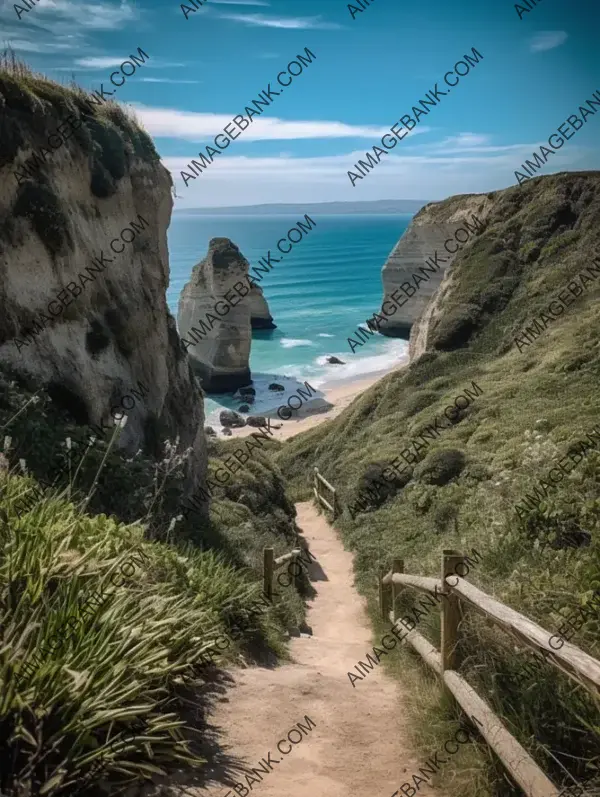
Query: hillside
[[464, 470]]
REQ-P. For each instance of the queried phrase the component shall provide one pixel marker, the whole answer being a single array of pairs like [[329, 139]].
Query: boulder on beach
[[256, 420], [275, 386], [226, 431], [335, 361], [231, 418], [244, 408]]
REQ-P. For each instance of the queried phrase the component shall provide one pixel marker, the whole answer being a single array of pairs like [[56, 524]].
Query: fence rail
[[574, 662], [318, 480]]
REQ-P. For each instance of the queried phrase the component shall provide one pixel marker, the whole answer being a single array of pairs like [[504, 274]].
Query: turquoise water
[[318, 295]]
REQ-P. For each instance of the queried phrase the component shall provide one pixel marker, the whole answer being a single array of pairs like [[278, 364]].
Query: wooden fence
[[270, 565], [318, 480], [578, 665]]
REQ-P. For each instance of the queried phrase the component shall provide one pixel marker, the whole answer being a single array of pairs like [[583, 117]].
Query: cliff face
[[433, 230], [260, 315], [84, 213], [218, 308]]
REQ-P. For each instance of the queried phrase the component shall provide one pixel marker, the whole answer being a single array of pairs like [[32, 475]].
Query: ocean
[[318, 295]]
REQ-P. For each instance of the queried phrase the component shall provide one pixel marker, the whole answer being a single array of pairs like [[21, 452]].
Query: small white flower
[[68, 443], [7, 442], [23, 465]]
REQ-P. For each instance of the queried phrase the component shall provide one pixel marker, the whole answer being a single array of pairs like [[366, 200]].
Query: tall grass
[[103, 630]]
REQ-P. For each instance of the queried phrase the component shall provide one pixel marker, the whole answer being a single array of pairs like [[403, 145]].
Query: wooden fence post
[[268, 573], [397, 567], [298, 571], [384, 596], [450, 612]]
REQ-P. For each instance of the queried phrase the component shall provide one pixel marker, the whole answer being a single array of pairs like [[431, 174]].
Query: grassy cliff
[[462, 482]]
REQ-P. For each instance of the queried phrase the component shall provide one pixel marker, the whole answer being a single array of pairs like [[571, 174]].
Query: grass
[[107, 706], [464, 491]]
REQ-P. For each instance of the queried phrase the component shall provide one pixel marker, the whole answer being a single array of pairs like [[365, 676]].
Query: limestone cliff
[[84, 267], [431, 230], [260, 315], [214, 321], [214, 318]]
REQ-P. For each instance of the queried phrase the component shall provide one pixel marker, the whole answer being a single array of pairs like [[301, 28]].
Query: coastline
[[336, 396]]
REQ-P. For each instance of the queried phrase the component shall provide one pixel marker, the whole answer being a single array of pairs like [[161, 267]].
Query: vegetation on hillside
[[462, 493], [96, 672]]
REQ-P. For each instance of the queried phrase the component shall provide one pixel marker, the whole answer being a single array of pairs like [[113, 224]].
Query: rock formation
[[260, 315], [214, 318], [84, 267], [426, 234]]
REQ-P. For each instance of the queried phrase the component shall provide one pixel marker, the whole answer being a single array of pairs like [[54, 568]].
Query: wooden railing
[[270, 565], [574, 662], [318, 480]]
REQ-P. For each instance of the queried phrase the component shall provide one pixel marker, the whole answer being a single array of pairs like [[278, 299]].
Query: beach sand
[[336, 398]]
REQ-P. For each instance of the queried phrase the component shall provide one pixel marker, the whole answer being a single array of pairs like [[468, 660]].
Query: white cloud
[[547, 40], [291, 23], [466, 140], [95, 16], [25, 46], [171, 123], [99, 62], [241, 180], [106, 61]]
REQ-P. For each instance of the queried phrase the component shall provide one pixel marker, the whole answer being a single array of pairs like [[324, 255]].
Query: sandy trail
[[360, 744]]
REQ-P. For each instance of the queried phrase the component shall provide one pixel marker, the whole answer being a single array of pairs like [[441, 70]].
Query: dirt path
[[359, 744]]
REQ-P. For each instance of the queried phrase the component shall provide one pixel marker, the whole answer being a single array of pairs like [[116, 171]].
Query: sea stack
[[260, 315], [215, 317]]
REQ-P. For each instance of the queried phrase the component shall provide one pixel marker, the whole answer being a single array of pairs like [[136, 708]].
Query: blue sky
[[368, 72]]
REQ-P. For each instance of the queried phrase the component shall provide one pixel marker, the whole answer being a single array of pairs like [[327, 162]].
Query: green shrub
[[372, 489], [560, 242], [444, 515], [37, 202], [109, 146], [456, 328], [18, 97], [441, 466], [418, 401], [11, 135], [102, 185]]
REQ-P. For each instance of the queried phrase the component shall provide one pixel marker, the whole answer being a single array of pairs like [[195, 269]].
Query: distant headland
[[379, 206]]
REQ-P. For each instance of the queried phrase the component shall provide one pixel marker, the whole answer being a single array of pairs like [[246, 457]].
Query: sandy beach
[[335, 398]]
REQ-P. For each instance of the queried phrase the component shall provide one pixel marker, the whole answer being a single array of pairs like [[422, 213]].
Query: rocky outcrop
[[428, 232], [231, 418], [260, 315], [215, 320], [84, 267]]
